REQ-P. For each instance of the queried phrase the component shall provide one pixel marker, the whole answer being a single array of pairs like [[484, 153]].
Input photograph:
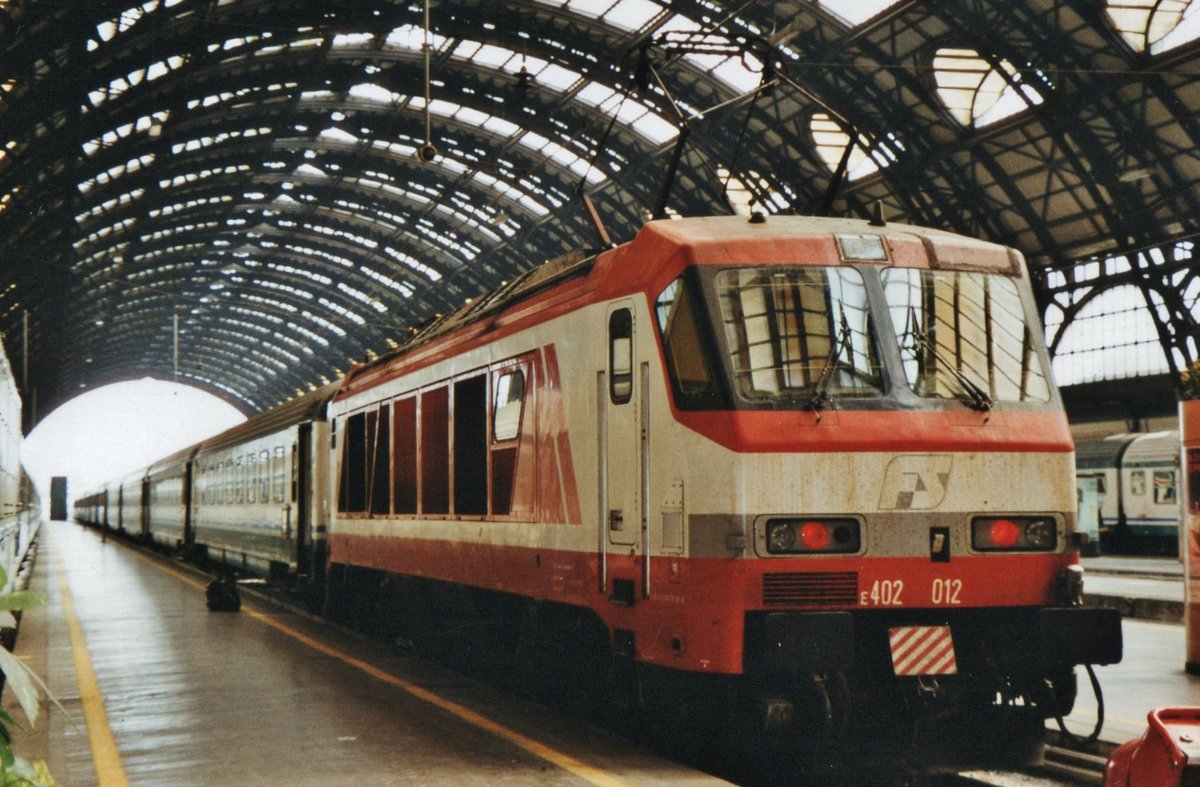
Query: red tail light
[[814, 535], [1004, 533]]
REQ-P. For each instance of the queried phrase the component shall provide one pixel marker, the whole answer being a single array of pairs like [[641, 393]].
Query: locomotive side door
[[621, 460]]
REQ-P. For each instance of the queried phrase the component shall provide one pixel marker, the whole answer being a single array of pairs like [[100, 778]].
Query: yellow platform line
[[105, 758], [565, 761]]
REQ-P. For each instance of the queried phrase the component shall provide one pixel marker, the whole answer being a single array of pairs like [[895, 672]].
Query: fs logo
[[915, 482]]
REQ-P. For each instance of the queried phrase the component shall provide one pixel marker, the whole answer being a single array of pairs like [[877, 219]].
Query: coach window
[[470, 446], [295, 472], [264, 476], [509, 399], [352, 489], [620, 356], [404, 455], [251, 478], [1164, 487], [378, 434], [508, 403], [435, 451], [280, 473], [1137, 482]]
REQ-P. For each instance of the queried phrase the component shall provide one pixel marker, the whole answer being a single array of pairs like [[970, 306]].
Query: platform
[[1149, 588], [157, 690], [1149, 592]]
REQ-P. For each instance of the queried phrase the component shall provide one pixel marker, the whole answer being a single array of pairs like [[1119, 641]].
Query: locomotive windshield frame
[[854, 337]]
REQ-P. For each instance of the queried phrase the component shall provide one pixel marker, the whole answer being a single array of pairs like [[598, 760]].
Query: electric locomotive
[[806, 480]]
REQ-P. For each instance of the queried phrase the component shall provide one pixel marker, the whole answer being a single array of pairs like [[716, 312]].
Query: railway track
[[1066, 763]]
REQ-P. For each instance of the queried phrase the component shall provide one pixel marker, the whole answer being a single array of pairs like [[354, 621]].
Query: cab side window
[[620, 356]]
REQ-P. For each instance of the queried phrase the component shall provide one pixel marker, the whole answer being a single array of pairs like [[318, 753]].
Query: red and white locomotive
[[805, 479], [816, 465]]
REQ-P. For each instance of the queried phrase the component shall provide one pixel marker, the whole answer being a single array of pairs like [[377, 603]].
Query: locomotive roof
[[716, 240], [807, 239]]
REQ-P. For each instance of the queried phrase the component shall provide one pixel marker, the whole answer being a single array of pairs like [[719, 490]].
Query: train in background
[[20, 503], [1136, 480], [804, 483]]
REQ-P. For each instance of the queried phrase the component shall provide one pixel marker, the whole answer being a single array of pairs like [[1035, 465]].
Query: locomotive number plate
[[922, 650]]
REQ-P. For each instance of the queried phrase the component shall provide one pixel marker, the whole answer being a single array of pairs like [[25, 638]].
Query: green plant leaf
[[20, 679], [21, 600]]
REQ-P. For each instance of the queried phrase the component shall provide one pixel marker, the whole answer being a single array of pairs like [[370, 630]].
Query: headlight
[[813, 536], [781, 536], [1014, 534]]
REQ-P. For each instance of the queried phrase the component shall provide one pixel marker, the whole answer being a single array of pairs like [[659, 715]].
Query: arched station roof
[[230, 192]]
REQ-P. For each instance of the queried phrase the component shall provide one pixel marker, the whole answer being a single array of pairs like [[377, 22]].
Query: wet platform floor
[[185, 696], [157, 690]]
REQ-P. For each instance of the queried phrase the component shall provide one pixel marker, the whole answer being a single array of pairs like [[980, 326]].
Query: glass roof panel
[[633, 14], [856, 11], [372, 92], [353, 39], [1143, 22], [831, 141], [412, 37], [1173, 32], [975, 92]]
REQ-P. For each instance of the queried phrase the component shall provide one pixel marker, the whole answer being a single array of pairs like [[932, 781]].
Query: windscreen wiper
[[820, 395], [975, 396]]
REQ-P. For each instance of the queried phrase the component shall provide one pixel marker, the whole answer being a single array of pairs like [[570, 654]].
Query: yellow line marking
[[565, 761], [105, 757]]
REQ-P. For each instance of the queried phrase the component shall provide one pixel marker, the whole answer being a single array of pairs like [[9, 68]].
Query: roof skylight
[[1155, 25], [977, 93], [856, 11], [831, 141]]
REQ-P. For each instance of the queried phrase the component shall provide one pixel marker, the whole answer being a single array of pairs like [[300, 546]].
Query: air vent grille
[[824, 590]]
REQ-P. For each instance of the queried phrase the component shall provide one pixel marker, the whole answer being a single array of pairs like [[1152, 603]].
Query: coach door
[[298, 497], [623, 461]]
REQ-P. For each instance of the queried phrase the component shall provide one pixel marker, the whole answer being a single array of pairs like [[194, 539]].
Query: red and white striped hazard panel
[[922, 650]]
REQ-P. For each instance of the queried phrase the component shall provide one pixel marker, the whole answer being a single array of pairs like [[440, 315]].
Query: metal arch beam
[[262, 73], [1129, 215], [169, 287], [130, 359], [302, 235], [1126, 131], [126, 185], [926, 153], [1167, 98]]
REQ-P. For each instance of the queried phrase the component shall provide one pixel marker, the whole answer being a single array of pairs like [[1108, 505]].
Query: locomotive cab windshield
[[865, 337]]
